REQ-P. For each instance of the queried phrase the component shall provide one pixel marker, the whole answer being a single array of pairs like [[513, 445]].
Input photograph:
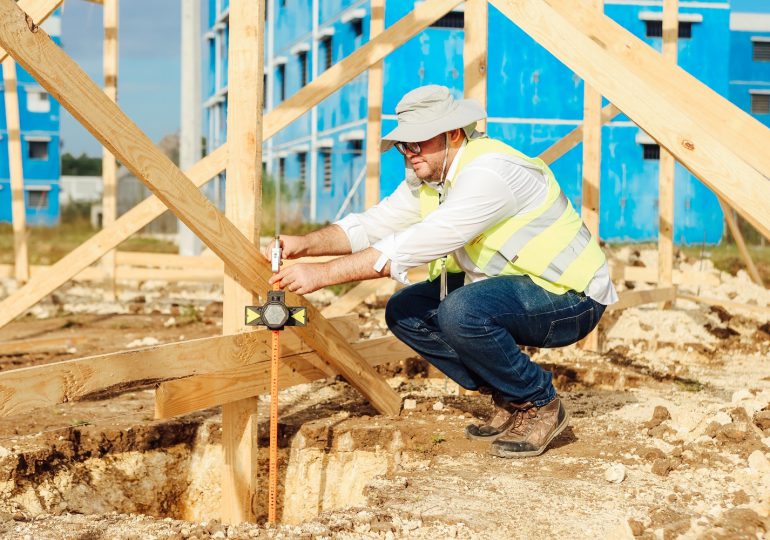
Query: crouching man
[[511, 264]]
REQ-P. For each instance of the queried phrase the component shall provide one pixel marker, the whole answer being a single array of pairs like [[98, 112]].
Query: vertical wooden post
[[667, 162], [475, 53], [109, 164], [374, 106], [592, 167], [243, 203], [21, 258]]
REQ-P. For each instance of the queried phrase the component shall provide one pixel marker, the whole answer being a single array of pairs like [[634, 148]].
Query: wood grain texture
[[682, 114], [16, 170], [243, 199], [38, 10], [762, 310], [345, 303], [475, 53], [56, 72], [23, 390], [374, 108], [178, 397]]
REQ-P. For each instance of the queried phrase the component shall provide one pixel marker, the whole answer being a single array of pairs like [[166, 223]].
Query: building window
[[302, 157], [326, 158], [357, 147], [655, 29], [281, 76], [327, 46], [651, 151], [358, 27], [303, 68], [281, 169], [38, 150], [38, 102], [453, 19], [761, 51], [37, 198], [760, 103]]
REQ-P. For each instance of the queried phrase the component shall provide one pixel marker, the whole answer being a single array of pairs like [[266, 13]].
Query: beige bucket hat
[[429, 110]]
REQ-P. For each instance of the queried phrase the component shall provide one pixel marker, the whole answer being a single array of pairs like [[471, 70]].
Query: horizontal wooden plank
[[630, 299], [22, 390], [183, 396], [39, 345]]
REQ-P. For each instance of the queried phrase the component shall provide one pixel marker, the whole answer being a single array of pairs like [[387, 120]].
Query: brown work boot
[[501, 419], [532, 429]]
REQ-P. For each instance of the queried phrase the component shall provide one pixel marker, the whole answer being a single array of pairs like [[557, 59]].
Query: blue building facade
[[40, 144], [750, 62], [533, 101]]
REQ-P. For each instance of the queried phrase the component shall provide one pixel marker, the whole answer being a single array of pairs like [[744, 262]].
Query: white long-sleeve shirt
[[489, 189]]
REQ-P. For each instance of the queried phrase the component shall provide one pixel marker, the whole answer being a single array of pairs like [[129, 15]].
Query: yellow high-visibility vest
[[550, 244]]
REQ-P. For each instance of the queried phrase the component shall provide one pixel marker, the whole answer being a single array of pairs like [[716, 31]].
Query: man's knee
[[459, 312]]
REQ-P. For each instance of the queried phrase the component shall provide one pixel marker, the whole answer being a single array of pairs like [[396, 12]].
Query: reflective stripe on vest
[[550, 243]]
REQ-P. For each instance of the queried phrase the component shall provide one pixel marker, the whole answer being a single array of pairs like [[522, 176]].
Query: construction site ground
[[669, 434]]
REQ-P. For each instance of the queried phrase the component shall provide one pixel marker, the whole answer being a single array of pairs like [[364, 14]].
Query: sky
[[148, 64]]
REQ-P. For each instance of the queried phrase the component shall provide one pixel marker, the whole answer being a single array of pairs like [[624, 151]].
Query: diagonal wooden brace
[[76, 92]]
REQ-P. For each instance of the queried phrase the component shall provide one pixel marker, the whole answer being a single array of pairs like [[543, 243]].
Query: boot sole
[[508, 454], [488, 438]]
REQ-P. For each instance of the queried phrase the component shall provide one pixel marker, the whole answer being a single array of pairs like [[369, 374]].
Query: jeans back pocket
[[570, 330]]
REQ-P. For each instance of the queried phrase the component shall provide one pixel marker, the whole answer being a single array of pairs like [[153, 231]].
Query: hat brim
[[467, 112]]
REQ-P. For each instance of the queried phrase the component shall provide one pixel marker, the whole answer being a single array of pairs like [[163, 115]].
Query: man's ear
[[456, 136]]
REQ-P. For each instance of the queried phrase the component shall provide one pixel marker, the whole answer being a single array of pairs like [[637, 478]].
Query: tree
[[82, 165]]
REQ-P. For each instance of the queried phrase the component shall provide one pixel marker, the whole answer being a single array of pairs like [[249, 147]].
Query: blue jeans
[[474, 335]]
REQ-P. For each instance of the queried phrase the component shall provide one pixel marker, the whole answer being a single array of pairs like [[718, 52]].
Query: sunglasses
[[413, 147]]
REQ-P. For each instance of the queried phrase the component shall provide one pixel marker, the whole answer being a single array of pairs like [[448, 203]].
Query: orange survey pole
[[273, 486]]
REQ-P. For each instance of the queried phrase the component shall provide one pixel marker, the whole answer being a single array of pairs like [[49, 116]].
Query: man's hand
[[292, 247], [302, 278]]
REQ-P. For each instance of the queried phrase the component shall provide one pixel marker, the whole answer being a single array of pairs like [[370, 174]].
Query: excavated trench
[[173, 468]]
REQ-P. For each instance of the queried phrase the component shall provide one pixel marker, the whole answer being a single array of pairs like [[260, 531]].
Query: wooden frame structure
[[724, 149]]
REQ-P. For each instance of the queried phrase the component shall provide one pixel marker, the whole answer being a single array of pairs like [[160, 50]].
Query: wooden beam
[[659, 98], [168, 260], [667, 163], [574, 137], [630, 299], [23, 390], [243, 206], [18, 208], [79, 259], [174, 398], [38, 11], [592, 168], [650, 275], [475, 53], [735, 232], [109, 164], [56, 72], [282, 116], [374, 107], [761, 310]]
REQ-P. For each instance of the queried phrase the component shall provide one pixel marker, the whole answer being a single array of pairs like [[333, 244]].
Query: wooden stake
[[243, 205], [735, 231], [109, 164], [592, 168], [637, 298], [475, 53], [667, 162], [18, 211], [374, 106]]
